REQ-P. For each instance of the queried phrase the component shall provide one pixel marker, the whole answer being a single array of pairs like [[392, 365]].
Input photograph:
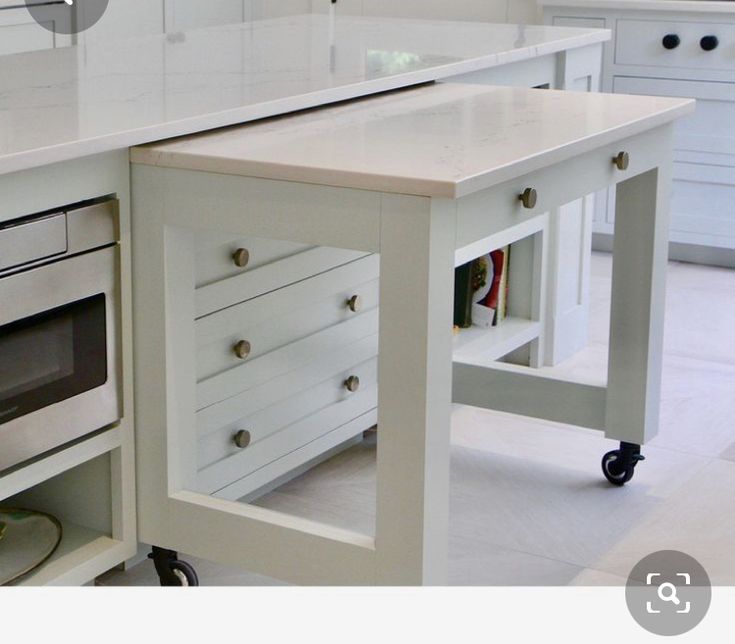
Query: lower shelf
[[82, 555], [478, 343]]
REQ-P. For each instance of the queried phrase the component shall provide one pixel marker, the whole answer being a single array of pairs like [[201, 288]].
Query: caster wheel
[[618, 466], [171, 571], [614, 470], [184, 573]]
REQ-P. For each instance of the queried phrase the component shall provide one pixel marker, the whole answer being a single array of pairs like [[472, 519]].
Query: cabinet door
[[703, 200], [19, 32], [191, 14]]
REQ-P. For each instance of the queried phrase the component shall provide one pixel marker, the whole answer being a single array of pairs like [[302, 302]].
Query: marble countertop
[[71, 102], [445, 140], [702, 6]]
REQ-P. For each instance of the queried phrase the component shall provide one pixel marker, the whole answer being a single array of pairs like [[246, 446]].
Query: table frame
[[418, 380]]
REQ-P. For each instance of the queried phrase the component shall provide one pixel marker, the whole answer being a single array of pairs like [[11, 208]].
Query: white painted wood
[[284, 315], [261, 280], [415, 342], [214, 255], [275, 434], [16, 481], [301, 360], [528, 392], [636, 62], [637, 317], [297, 462], [417, 253]]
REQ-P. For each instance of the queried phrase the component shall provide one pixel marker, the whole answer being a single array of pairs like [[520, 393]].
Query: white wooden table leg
[[414, 375], [640, 255]]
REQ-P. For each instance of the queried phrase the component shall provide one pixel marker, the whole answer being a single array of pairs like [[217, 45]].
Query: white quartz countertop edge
[[410, 185], [689, 6], [75, 149]]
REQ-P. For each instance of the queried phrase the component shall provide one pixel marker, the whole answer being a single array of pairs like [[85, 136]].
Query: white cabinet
[[676, 53]]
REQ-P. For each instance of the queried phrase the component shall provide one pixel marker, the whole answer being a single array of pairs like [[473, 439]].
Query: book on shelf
[[481, 290]]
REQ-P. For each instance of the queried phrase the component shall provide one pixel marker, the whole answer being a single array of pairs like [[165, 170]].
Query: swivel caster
[[171, 571], [618, 466]]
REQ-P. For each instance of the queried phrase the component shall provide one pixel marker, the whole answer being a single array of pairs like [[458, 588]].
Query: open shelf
[[81, 556], [487, 344], [57, 462]]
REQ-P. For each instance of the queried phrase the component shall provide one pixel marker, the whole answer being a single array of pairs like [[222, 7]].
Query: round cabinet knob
[[242, 438], [242, 349], [352, 384], [671, 41], [529, 197], [354, 303], [622, 160], [708, 43], [241, 257]]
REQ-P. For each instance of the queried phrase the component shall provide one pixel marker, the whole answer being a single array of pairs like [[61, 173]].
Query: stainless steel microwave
[[59, 329]]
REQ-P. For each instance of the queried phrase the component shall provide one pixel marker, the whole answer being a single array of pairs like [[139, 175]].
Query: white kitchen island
[[425, 178], [68, 116]]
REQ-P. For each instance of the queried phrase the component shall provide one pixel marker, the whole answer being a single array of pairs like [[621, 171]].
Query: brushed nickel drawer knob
[[529, 197], [242, 438], [242, 349], [622, 160], [241, 257], [352, 384], [354, 303]]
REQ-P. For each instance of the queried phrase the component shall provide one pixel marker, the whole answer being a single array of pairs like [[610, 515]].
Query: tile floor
[[529, 505]]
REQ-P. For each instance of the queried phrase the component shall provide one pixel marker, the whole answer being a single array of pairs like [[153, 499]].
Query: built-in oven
[[59, 323]]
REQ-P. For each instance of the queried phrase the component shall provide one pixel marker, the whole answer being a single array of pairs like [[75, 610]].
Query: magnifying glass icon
[[670, 595]]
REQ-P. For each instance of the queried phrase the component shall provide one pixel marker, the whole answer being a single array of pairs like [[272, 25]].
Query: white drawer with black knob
[[231, 269], [243, 345], [676, 44]]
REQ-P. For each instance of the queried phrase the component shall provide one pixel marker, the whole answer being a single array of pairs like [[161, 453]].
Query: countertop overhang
[[443, 141], [67, 103], [689, 6]]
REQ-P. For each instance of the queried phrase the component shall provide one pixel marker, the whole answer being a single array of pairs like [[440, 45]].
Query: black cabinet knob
[[671, 41], [708, 43]]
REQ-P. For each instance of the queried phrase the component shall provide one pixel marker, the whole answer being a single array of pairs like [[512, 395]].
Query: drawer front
[[279, 422], [641, 43], [231, 269], [710, 131], [241, 346]]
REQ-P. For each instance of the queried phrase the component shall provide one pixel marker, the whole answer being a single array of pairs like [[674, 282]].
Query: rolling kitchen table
[[427, 178]]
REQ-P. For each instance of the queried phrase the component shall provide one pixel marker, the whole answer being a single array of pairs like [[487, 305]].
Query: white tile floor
[[529, 505]]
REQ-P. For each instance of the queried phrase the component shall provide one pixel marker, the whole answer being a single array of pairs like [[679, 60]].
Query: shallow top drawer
[[685, 45]]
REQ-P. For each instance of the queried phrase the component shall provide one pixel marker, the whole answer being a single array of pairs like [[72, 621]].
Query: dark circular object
[[671, 41], [615, 470], [708, 43], [185, 573]]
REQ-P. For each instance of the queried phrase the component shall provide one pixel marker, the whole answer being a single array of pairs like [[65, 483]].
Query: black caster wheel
[[618, 466], [171, 571]]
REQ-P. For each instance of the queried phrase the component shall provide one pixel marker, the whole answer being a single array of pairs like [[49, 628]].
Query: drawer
[[241, 346], [280, 422], [703, 204], [710, 131], [641, 43], [229, 270]]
